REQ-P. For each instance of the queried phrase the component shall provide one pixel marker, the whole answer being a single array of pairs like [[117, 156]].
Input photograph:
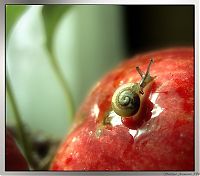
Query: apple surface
[[160, 136], [15, 161]]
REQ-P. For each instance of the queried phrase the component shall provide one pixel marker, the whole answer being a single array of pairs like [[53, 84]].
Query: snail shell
[[126, 100]]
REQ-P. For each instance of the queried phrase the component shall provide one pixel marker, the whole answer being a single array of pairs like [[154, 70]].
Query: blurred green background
[[55, 53]]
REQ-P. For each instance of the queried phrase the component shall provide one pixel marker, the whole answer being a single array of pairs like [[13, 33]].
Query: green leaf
[[51, 15], [13, 12]]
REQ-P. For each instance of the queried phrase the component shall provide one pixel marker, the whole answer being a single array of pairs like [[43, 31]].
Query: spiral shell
[[126, 100]]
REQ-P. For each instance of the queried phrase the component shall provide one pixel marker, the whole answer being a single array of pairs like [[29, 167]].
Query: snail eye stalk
[[146, 77]]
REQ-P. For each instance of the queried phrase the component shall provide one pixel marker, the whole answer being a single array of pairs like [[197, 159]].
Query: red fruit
[[14, 159], [162, 138]]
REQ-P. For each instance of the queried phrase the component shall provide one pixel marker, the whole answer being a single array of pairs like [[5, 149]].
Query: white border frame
[[120, 2]]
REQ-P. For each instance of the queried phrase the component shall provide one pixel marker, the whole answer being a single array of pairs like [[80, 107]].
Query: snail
[[126, 99]]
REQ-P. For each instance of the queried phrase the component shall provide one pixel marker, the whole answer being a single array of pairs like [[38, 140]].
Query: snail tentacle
[[147, 77], [140, 72]]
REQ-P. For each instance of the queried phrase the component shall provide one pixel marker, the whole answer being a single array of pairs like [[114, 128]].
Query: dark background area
[[155, 26]]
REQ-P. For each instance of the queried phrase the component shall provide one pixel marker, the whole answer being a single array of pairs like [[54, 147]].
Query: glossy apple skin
[[164, 138], [15, 161]]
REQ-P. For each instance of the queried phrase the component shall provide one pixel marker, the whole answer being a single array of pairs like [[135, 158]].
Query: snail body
[[126, 98]]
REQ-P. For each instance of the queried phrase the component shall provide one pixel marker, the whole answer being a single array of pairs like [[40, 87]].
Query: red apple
[[15, 161], [159, 137]]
